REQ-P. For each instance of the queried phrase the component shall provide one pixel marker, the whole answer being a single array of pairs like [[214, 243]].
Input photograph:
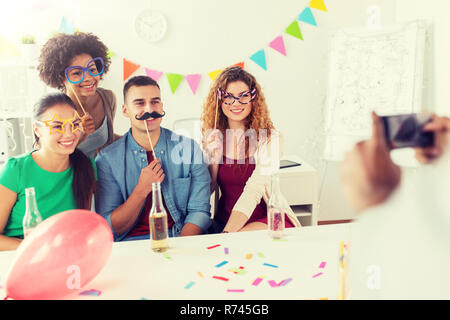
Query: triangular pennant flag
[[239, 64], [318, 4], [294, 30], [110, 54], [260, 59], [129, 68], [193, 81], [174, 80], [213, 74], [307, 16], [66, 27], [278, 44], [155, 75]]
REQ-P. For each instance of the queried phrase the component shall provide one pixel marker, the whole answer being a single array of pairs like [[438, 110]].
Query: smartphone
[[288, 163], [406, 131]]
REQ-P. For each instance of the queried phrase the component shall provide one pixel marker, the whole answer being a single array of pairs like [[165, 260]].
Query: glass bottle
[[32, 215], [159, 233], [275, 213]]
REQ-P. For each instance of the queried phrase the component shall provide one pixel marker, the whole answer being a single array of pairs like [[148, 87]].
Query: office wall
[[206, 35]]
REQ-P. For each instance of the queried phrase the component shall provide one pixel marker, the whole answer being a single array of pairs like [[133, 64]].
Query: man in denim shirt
[[127, 169]]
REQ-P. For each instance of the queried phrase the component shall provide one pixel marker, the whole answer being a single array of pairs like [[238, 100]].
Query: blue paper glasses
[[75, 74]]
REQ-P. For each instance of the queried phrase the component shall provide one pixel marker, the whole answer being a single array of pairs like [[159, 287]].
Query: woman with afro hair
[[75, 64], [242, 148]]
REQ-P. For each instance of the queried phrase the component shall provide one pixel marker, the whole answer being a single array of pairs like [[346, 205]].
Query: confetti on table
[[270, 265], [226, 250], [190, 284], [91, 292], [325, 298], [220, 278], [273, 283], [317, 274], [167, 256], [285, 282], [221, 264], [200, 274], [279, 240], [322, 265], [248, 256], [212, 247], [261, 255], [257, 281], [235, 290]]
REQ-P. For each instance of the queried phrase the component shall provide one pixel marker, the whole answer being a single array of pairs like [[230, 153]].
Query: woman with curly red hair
[[241, 164], [75, 64]]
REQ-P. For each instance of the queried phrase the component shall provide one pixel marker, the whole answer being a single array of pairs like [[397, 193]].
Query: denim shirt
[[186, 186]]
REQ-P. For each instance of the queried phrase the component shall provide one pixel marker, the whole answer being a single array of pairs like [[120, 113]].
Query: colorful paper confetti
[[248, 256], [235, 290], [221, 264], [214, 246], [226, 250], [270, 265], [285, 282], [322, 265], [317, 274], [257, 281], [91, 292], [190, 284], [221, 278]]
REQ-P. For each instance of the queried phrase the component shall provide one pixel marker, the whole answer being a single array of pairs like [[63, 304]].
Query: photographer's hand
[[368, 173], [441, 128]]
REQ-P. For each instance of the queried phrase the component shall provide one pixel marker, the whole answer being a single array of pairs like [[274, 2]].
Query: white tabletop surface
[[134, 271]]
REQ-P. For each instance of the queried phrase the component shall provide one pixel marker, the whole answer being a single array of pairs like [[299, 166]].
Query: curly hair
[[58, 52], [257, 119]]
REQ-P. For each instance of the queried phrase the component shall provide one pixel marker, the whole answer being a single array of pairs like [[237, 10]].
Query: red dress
[[231, 178]]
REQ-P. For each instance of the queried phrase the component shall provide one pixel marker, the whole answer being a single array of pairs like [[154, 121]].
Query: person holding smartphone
[[399, 245]]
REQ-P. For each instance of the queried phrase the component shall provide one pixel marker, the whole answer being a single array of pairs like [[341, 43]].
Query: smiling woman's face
[[89, 84], [59, 130], [237, 112]]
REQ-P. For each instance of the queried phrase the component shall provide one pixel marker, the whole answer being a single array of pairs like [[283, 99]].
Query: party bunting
[[239, 64], [294, 30], [193, 80], [174, 80], [260, 59], [278, 45], [66, 27], [307, 16], [213, 74], [155, 75], [129, 68], [318, 4]]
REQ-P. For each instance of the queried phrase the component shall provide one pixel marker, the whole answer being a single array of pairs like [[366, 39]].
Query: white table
[[135, 272]]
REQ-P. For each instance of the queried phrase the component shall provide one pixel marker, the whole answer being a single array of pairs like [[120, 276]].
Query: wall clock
[[150, 25]]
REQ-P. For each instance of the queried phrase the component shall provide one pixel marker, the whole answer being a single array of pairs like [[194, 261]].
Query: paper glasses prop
[[75, 74], [56, 124]]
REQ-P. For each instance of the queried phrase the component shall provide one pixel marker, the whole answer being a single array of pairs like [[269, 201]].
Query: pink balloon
[[60, 256]]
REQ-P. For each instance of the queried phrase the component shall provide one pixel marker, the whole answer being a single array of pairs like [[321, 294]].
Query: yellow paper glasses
[[58, 125]]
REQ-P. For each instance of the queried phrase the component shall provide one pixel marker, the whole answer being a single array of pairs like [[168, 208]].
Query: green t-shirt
[[53, 190]]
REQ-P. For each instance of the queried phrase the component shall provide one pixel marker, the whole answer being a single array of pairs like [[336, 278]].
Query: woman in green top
[[63, 177]]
